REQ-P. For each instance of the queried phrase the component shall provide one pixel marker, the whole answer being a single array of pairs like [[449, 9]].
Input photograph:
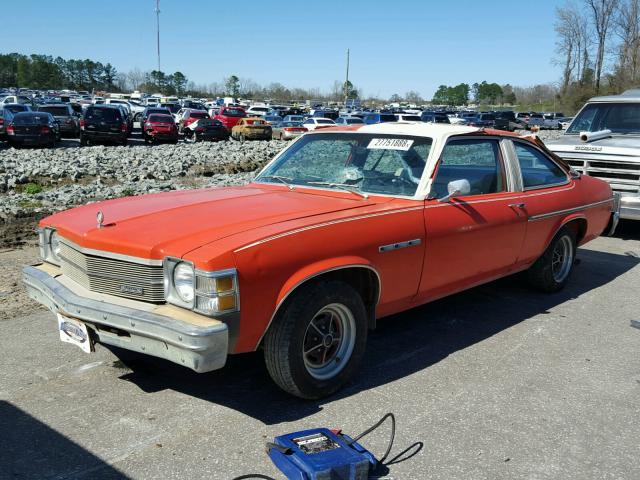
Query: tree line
[[598, 48], [44, 72]]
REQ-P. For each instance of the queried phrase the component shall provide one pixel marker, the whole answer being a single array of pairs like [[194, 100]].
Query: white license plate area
[[75, 332]]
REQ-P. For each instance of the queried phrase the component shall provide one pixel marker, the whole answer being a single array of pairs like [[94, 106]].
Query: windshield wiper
[[345, 187], [282, 179]]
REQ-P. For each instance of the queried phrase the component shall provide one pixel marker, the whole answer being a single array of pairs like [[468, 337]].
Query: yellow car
[[251, 128]]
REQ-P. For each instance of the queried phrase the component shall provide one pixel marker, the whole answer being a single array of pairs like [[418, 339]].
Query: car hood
[[175, 223], [626, 145]]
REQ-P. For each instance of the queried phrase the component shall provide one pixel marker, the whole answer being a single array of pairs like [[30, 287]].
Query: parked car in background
[[7, 99], [332, 114], [251, 128], [565, 122], [5, 119], [68, 120], [272, 119], [316, 123], [486, 120], [506, 120], [32, 129], [349, 121], [230, 116], [434, 117], [104, 123], [17, 107], [372, 117], [160, 127], [406, 117], [150, 111], [206, 129], [287, 130], [293, 118], [341, 229], [187, 116], [257, 111], [603, 141]]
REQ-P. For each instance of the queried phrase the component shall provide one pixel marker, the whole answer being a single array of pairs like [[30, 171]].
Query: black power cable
[[373, 427]]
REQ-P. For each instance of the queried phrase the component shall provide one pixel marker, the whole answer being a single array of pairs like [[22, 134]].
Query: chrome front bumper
[[630, 207], [201, 348]]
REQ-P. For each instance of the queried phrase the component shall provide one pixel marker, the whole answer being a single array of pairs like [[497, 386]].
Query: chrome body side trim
[[310, 277], [542, 216], [200, 348], [397, 246], [325, 224]]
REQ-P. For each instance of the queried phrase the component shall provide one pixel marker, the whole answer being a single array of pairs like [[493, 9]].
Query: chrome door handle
[[517, 207]]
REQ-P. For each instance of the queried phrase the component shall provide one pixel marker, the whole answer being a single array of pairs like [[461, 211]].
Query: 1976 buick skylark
[[344, 227]]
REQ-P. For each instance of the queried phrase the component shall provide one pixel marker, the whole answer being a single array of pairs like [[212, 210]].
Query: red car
[[160, 127], [187, 116], [345, 226], [230, 116]]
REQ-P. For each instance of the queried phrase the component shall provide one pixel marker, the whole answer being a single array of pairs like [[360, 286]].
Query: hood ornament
[[100, 218]]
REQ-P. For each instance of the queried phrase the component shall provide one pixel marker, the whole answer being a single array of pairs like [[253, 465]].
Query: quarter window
[[477, 161], [537, 170]]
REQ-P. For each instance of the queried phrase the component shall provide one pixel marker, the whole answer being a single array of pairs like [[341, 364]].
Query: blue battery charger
[[324, 454]]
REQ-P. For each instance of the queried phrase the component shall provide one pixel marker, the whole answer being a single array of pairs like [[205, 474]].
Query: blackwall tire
[[317, 341], [551, 272]]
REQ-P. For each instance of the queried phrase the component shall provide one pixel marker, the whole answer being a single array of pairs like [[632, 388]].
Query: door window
[[475, 160], [537, 170]]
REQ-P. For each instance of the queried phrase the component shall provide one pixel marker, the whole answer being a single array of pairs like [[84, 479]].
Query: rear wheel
[[551, 272], [317, 341], [241, 137], [83, 141]]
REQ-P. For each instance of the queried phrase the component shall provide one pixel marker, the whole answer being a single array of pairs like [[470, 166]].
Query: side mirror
[[456, 188]]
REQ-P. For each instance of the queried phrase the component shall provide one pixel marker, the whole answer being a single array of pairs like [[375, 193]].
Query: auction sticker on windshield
[[390, 144], [75, 332]]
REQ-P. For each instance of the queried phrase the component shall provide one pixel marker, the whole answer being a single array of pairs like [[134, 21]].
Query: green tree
[[232, 86], [179, 82]]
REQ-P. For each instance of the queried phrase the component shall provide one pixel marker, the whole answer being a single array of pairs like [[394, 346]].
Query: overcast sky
[[396, 46]]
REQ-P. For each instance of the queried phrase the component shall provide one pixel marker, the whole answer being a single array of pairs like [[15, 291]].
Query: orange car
[[251, 128], [345, 226]]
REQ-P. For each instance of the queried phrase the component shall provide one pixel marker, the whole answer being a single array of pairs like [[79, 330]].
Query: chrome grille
[[622, 174], [113, 276]]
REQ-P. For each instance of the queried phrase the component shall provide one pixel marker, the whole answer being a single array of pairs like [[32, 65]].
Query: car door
[[474, 237], [547, 191]]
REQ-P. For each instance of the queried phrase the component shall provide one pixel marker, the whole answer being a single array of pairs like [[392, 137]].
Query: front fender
[[318, 268]]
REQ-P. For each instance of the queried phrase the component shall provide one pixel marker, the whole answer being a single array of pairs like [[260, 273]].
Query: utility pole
[[346, 83], [158, 31]]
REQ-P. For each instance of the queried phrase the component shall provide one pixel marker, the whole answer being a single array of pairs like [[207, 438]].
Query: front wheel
[[551, 272], [317, 341]]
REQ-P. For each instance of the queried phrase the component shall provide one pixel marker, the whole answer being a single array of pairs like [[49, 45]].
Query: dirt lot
[[495, 383]]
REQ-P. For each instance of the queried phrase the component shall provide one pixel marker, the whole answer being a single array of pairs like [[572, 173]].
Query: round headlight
[[183, 282], [54, 244]]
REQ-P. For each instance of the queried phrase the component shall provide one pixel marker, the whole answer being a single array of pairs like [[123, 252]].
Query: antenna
[[158, 30], [346, 83]]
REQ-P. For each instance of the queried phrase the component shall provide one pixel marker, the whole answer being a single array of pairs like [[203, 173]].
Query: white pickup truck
[[603, 141]]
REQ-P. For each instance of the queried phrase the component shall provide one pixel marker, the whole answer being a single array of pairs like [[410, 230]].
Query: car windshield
[[351, 121], [410, 118], [234, 112], [357, 162], [30, 119], [160, 118], [621, 118], [199, 115], [104, 114], [60, 111], [324, 121]]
